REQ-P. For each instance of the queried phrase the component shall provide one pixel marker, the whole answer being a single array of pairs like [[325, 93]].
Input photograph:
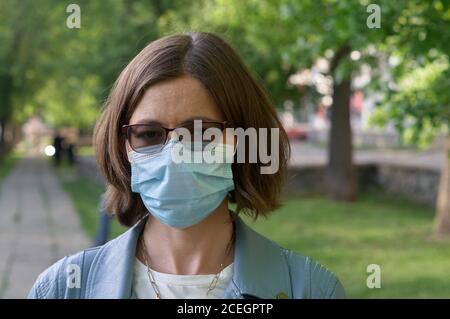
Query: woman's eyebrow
[[147, 121], [203, 118], [189, 119]]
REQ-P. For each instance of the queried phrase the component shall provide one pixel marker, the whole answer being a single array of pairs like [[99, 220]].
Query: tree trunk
[[2, 131], [442, 219], [5, 103], [340, 175], [340, 172]]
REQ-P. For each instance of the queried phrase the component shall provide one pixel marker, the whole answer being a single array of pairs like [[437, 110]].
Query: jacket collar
[[260, 269], [111, 271]]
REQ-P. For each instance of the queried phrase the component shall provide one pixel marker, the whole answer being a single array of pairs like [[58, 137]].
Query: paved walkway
[[38, 226]]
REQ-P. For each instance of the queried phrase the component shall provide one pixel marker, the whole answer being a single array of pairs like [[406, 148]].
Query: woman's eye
[[148, 135]]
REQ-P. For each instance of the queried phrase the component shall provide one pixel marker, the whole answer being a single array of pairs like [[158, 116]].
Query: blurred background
[[362, 90]]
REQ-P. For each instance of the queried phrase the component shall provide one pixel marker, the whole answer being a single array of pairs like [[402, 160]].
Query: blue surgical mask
[[181, 194]]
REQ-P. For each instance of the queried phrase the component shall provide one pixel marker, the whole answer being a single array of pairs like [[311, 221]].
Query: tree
[[279, 37], [16, 25], [420, 108], [64, 74], [418, 99]]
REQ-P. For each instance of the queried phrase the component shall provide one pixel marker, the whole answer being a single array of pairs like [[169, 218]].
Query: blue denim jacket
[[262, 269]]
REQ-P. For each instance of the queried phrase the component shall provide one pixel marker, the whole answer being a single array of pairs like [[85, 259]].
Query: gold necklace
[[152, 280]]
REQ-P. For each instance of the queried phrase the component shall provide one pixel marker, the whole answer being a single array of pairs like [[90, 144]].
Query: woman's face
[[171, 103]]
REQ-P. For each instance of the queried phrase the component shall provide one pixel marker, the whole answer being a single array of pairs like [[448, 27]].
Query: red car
[[296, 133]]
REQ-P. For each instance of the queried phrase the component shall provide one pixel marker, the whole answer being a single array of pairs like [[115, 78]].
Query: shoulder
[[282, 272], [286, 273], [78, 275], [310, 279], [69, 271]]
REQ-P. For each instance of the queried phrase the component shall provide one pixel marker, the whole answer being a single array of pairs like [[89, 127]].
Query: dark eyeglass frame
[[126, 129]]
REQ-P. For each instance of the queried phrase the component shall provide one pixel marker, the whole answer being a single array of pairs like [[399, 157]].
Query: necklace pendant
[[213, 284]]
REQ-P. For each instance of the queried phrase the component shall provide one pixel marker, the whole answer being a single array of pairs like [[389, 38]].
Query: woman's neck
[[199, 249]]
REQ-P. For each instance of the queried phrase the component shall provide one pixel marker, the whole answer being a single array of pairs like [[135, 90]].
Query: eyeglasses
[[151, 138]]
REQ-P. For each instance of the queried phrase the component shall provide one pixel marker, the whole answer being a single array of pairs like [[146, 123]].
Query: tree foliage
[[418, 97], [64, 74]]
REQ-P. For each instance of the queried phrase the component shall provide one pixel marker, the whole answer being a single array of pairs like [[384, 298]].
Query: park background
[[361, 88]]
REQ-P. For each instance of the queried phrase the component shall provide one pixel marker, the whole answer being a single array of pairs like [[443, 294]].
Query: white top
[[179, 286]]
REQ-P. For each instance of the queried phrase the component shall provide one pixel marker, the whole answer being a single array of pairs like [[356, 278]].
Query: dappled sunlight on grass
[[377, 229]]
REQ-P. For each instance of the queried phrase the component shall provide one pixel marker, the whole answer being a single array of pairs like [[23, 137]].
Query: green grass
[[378, 229], [86, 197], [87, 150], [345, 237], [7, 163]]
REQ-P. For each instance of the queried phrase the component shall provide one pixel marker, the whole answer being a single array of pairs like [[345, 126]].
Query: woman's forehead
[[174, 101]]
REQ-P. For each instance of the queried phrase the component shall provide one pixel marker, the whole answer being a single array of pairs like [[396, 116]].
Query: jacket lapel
[[111, 274], [260, 268]]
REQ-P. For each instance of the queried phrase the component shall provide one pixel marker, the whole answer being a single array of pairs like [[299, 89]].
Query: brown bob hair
[[244, 103]]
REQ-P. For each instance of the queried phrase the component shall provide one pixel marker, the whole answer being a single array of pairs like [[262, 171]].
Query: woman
[[184, 241]]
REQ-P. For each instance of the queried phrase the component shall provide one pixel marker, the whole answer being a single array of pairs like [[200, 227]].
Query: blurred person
[[58, 144], [184, 241], [101, 237], [70, 152], [69, 145]]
